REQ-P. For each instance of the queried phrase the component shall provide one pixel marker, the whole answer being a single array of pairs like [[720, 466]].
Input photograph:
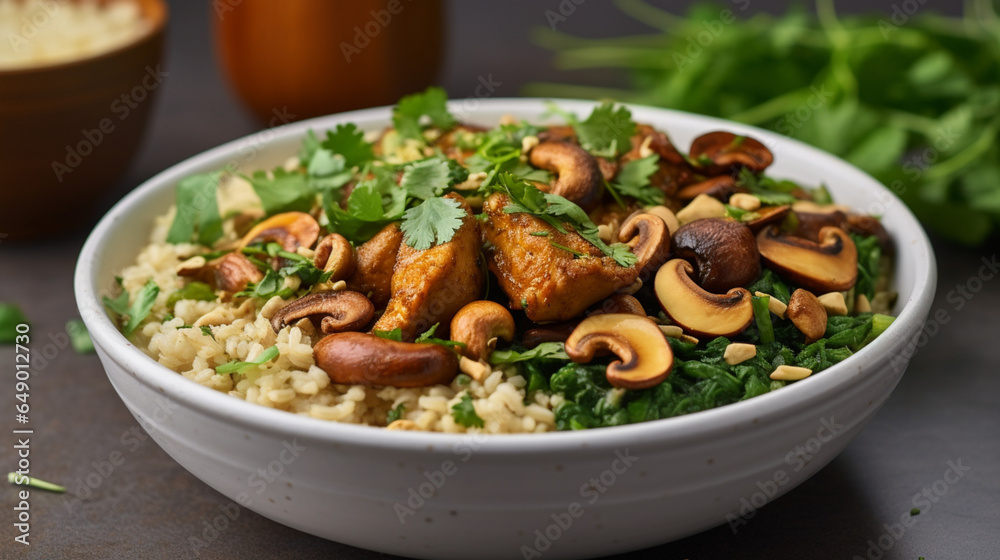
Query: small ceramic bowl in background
[[69, 129]]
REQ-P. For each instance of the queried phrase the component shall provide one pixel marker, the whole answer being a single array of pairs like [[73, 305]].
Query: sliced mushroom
[[767, 216], [828, 266], [667, 215], [352, 358], [809, 223], [721, 187], [335, 254], [478, 325], [807, 314], [869, 225], [720, 152], [645, 356], [230, 272], [291, 230], [697, 311], [618, 303], [723, 252], [552, 332], [648, 237], [333, 311], [578, 175]]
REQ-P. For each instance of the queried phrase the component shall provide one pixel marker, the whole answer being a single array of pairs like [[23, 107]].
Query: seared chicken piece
[[375, 260], [431, 286], [549, 283]]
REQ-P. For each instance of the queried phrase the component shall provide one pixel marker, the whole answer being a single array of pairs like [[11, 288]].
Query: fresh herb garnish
[[545, 350], [395, 334], [762, 315], [139, 309], [464, 413], [79, 337], [239, 367], [271, 285], [198, 291], [395, 413], [22, 480], [431, 104], [10, 317], [426, 178], [374, 203], [633, 180], [207, 331], [348, 142], [282, 191], [608, 130], [197, 210], [428, 337], [432, 222]]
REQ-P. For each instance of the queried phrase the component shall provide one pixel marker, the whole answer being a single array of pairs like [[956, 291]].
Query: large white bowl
[[562, 495]]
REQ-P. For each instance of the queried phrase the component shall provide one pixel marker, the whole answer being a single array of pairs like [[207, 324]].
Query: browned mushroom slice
[[333, 311], [478, 325], [551, 332], [768, 215], [869, 225], [578, 175], [648, 237], [352, 358], [645, 356], [430, 286], [809, 223], [291, 230], [723, 252], [828, 266], [720, 152], [721, 187], [807, 314], [335, 255], [374, 263], [230, 272], [697, 311], [618, 303]]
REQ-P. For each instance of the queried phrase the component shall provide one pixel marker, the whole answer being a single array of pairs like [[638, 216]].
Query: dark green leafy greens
[[915, 105]]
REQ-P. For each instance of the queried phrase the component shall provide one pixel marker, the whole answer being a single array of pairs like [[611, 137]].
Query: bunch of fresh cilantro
[[913, 100]]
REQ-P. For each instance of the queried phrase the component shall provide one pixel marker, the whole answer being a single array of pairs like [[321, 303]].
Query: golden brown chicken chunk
[[375, 260], [431, 286], [549, 283]]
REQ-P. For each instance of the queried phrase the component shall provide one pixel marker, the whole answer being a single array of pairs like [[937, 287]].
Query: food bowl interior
[[346, 488]]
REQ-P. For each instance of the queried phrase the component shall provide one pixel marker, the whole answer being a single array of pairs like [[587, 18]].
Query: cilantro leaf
[[633, 180], [139, 309], [426, 178], [327, 171], [395, 334], [271, 285], [373, 204], [199, 291], [237, 366], [79, 337], [308, 149], [395, 414], [428, 337], [432, 222], [608, 130], [10, 317], [197, 209], [347, 141], [282, 191], [432, 103], [464, 413], [303, 268]]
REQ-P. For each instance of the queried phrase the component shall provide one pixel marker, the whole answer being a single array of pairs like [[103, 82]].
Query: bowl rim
[[161, 16], [770, 406]]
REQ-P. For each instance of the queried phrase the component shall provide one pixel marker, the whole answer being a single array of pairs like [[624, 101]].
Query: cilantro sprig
[[239, 367], [197, 210], [632, 180], [464, 413], [138, 310], [431, 104], [433, 222]]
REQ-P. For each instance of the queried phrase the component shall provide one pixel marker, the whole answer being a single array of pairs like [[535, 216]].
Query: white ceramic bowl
[[561, 495]]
